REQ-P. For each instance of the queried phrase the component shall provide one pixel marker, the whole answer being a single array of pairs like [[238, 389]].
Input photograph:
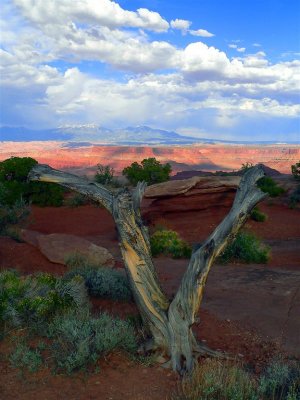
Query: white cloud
[[201, 32], [180, 24], [105, 12], [204, 83]]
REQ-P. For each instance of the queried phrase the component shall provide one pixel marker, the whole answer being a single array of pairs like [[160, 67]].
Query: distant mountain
[[90, 134]]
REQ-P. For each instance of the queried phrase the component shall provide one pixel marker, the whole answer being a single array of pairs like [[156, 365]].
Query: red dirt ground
[[232, 318]]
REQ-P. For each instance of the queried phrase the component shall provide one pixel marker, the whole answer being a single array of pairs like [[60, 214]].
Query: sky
[[224, 69]]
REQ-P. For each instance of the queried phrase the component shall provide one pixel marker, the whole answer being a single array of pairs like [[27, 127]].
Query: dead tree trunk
[[170, 323]]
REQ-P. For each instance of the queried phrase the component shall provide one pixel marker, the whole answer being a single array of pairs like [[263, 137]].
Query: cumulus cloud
[[180, 24], [201, 32], [105, 12], [164, 85]]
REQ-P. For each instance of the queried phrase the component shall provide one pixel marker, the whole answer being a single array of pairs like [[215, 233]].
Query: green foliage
[[296, 170], [150, 170], [45, 194], [216, 380], [104, 174], [294, 198], [79, 339], [34, 300], [25, 358], [13, 180], [280, 380], [169, 243], [268, 185], [100, 281], [257, 215], [246, 248]]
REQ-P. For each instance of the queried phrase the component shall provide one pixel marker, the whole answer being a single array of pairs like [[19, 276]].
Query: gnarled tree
[[169, 322]]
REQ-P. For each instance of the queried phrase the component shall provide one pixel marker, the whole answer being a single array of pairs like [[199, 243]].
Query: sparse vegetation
[[268, 185], [10, 216], [58, 309], [225, 380], [150, 170], [246, 248], [169, 243], [257, 215], [76, 200]]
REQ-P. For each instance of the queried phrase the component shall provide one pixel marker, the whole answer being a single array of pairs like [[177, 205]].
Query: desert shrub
[[245, 167], [76, 200], [150, 170], [280, 380], [104, 174], [12, 215], [246, 248], [216, 380], [25, 358], [79, 339], [257, 215], [33, 300], [296, 170], [294, 198], [102, 282], [13, 178], [268, 185], [168, 242]]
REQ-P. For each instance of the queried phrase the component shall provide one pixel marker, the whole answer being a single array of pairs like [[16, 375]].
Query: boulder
[[57, 247], [194, 194]]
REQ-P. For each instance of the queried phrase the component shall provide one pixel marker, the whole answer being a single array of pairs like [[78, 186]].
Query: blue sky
[[214, 68]]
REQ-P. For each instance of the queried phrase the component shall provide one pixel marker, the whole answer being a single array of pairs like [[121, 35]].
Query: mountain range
[[90, 134]]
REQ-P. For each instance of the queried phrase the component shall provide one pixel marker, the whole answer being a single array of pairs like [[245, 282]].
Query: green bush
[[246, 248], [296, 170], [168, 242], [268, 185], [150, 170], [100, 281], [13, 178], [79, 339], [33, 300], [257, 215], [25, 358]]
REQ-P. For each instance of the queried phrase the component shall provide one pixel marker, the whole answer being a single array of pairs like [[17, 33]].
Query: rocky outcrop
[[197, 193], [57, 247]]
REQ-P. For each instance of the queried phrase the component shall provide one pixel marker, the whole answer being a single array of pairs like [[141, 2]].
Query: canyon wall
[[209, 157]]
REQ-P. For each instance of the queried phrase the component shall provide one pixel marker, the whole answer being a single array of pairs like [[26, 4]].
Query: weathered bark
[[170, 323]]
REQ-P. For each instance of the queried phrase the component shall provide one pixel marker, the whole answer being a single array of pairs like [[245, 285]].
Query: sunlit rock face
[[207, 157]]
